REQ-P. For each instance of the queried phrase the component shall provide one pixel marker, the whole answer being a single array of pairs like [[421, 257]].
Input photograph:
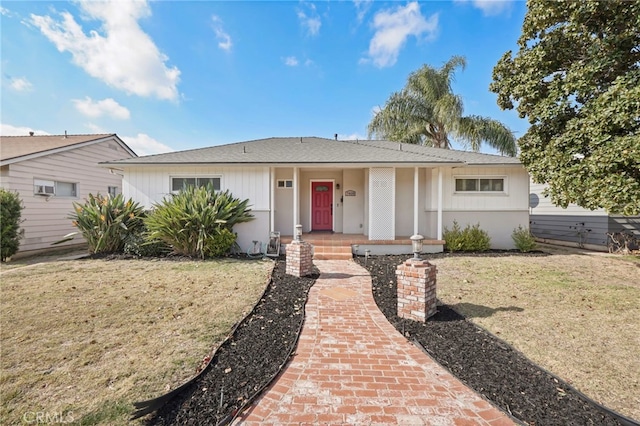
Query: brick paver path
[[352, 367]]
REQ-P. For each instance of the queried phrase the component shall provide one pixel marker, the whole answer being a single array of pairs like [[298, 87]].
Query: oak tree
[[576, 78]]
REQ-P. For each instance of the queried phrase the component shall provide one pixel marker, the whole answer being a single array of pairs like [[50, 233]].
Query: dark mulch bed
[[485, 363], [261, 345], [247, 361]]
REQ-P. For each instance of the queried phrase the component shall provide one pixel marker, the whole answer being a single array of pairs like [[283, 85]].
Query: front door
[[322, 206]]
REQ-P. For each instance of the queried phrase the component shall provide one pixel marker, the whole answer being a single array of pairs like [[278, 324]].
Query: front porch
[[336, 246]]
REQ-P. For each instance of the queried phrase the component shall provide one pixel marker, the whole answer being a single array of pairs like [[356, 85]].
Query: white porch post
[[439, 203], [296, 200], [272, 199], [416, 185]]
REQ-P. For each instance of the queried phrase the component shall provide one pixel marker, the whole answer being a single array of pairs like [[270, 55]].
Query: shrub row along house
[[376, 192], [50, 172]]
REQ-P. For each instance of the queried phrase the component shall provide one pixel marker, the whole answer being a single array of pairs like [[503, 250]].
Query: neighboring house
[[51, 172], [575, 225], [381, 191]]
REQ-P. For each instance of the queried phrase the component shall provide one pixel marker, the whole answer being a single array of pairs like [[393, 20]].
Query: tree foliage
[[10, 213], [427, 112], [576, 78]]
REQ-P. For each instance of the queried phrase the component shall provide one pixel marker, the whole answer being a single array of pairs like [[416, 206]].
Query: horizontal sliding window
[[178, 183], [479, 184]]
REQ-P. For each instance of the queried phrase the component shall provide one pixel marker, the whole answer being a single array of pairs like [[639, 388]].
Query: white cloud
[[351, 137], [362, 7], [21, 84], [9, 130], [291, 61], [143, 144], [490, 7], [224, 39], [5, 12], [310, 20], [95, 129], [393, 27], [94, 109], [121, 54]]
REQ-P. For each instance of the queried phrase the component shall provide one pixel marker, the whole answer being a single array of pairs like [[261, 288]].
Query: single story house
[[574, 225], [376, 192], [51, 172]]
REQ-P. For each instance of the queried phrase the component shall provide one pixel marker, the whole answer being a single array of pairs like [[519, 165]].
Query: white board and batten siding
[[46, 218], [497, 213], [148, 185]]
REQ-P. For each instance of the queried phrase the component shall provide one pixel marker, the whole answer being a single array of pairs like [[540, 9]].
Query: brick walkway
[[352, 367]]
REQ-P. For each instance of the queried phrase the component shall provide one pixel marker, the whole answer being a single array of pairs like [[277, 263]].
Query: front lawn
[[577, 315], [82, 340]]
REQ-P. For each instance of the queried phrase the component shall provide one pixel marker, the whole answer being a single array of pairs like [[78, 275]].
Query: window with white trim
[[285, 183], [178, 183], [483, 184], [51, 188], [113, 191]]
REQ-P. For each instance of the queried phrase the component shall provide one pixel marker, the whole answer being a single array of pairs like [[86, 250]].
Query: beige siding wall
[[45, 219], [149, 185], [353, 206], [498, 214]]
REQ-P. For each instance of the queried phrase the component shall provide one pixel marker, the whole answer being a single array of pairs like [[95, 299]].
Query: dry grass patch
[[576, 315], [84, 339]]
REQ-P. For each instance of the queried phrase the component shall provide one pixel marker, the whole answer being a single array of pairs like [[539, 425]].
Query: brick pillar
[[299, 261], [416, 289]]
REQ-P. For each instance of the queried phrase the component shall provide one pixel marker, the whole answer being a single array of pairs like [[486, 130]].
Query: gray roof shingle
[[313, 150]]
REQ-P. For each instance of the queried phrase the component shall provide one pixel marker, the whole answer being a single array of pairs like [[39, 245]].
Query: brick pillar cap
[[417, 263]]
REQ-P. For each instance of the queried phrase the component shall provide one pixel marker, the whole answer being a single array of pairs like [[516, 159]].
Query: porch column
[[439, 203], [272, 199], [416, 184], [296, 200]]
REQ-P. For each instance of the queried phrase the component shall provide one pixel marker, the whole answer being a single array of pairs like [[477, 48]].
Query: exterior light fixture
[[298, 233], [416, 245], [337, 186]]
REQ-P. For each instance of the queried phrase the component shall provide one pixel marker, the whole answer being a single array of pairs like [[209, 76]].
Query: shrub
[[198, 221], [11, 211], [523, 239], [141, 245], [471, 238], [476, 239], [107, 222], [454, 240]]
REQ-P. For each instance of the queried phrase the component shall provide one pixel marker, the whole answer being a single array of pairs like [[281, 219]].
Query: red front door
[[322, 206]]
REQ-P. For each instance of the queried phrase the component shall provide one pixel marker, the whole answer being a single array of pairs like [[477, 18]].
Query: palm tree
[[426, 112]]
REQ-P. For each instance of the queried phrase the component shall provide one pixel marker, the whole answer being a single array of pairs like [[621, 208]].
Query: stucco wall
[[353, 206]]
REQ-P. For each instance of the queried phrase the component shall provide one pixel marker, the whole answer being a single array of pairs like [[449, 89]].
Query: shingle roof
[[15, 147], [313, 150]]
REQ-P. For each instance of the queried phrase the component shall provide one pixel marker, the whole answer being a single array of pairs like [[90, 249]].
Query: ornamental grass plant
[[198, 221], [107, 222]]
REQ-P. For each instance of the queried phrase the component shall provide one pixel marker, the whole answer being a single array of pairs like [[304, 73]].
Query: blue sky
[[174, 75]]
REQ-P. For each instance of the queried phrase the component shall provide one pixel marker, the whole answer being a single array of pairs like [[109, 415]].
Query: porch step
[[331, 251]]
